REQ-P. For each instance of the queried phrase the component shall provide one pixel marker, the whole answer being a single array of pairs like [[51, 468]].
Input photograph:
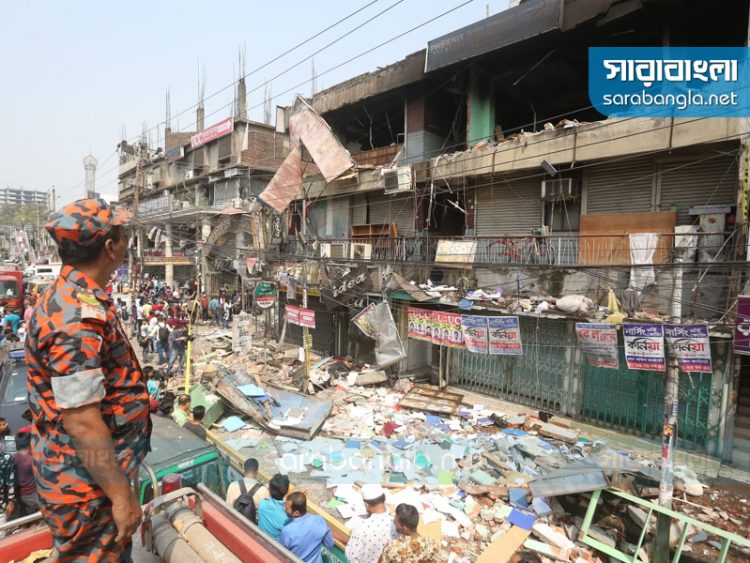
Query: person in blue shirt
[[272, 515], [306, 534], [14, 320]]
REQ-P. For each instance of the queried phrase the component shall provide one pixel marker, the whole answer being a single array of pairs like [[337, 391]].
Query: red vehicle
[[179, 526], [11, 290]]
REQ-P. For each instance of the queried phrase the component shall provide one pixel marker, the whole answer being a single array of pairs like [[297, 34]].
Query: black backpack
[[245, 504], [163, 334], [124, 314]]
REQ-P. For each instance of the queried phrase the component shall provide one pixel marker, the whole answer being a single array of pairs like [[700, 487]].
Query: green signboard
[[265, 294]]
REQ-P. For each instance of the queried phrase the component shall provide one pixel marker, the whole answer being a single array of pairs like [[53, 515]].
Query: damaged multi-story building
[[479, 163], [194, 199]]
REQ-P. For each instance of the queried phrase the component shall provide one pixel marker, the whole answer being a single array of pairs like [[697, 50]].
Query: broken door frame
[[683, 522]]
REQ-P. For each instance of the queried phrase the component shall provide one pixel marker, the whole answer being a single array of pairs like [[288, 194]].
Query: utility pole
[[306, 336], [136, 204], [669, 428]]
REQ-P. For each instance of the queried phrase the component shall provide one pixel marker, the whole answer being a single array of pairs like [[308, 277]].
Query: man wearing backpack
[[160, 333], [245, 495]]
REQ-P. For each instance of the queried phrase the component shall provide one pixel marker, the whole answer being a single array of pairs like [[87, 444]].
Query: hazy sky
[[76, 74]]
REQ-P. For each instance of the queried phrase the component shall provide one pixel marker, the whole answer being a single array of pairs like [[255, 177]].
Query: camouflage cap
[[85, 222]]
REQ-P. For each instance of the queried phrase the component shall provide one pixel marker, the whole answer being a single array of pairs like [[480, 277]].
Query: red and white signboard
[[300, 317], [307, 318], [211, 133], [292, 315]]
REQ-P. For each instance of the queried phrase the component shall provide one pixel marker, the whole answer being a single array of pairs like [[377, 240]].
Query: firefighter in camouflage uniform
[[91, 426]]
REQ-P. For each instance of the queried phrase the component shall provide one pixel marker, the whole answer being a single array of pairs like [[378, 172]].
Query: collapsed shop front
[[552, 373]]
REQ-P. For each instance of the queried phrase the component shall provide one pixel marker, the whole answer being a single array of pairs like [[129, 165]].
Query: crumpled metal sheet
[[329, 155], [332, 159], [286, 183]]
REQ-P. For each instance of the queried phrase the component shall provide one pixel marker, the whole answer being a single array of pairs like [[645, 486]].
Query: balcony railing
[[520, 250], [161, 253]]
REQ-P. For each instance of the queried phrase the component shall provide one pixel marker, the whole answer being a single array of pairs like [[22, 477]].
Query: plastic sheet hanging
[[376, 321]]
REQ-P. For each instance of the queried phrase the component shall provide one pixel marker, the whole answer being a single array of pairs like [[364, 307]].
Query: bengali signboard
[[307, 318], [742, 326], [292, 315], [599, 344], [505, 336], [446, 329], [475, 332], [159, 205], [420, 324], [242, 333], [644, 346], [689, 345], [265, 294], [300, 317], [212, 133]]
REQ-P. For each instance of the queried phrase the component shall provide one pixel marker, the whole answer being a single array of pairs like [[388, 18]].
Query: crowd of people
[[283, 515], [18, 495]]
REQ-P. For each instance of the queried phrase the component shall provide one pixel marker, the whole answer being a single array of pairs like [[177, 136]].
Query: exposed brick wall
[[176, 139], [265, 149]]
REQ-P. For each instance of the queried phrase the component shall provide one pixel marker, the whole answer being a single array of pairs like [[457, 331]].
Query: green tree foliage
[[24, 215]]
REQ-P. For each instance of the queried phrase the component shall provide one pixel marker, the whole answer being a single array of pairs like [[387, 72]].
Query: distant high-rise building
[[89, 164], [21, 196]]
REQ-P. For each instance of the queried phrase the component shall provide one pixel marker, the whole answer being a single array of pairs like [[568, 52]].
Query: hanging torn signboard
[[644, 346], [599, 344], [689, 345]]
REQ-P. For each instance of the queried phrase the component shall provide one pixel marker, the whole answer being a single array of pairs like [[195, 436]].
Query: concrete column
[[480, 110], [169, 268]]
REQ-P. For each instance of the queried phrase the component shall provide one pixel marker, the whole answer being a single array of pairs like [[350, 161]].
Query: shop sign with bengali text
[[265, 294], [212, 133], [599, 344], [689, 344], [742, 326], [475, 332], [644, 346], [505, 336]]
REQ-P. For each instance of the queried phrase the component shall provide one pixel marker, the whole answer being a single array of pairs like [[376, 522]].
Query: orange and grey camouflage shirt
[[78, 354]]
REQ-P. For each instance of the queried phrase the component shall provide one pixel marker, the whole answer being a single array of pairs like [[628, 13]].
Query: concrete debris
[[485, 479]]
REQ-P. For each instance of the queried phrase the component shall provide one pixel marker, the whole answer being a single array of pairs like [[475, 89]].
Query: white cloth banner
[[642, 248]]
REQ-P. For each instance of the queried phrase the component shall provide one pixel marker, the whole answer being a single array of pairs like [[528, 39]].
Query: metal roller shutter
[[621, 187], [398, 209], [514, 206], [324, 333], [359, 209], [690, 184]]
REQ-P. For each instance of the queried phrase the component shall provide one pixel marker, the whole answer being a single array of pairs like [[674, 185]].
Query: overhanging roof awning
[[505, 28]]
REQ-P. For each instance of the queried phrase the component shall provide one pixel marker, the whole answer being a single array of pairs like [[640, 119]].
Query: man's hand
[[9, 508], [127, 516]]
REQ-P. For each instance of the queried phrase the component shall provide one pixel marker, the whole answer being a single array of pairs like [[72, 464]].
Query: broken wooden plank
[[503, 548], [431, 399], [558, 433]]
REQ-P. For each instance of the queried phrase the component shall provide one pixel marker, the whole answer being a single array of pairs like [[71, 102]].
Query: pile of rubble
[[486, 483]]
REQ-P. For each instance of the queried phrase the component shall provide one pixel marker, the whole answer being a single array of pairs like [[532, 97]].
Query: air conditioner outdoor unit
[[560, 188], [398, 180], [237, 202], [333, 250], [188, 174], [360, 251]]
